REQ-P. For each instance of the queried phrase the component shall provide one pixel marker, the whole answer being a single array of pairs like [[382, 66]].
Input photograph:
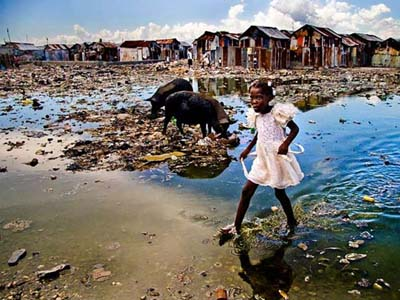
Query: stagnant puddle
[[153, 230]]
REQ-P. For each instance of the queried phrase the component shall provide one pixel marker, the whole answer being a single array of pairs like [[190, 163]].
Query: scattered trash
[[355, 256], [368, 199], [18, 225], [221, 294], [356, 244], [162, 157], [302, 246], [53, 272]]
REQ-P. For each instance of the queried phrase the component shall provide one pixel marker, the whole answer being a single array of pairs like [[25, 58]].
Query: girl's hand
[[283, 149], [244, 154]]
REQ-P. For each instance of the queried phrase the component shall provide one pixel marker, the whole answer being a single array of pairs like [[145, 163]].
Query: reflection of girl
[[273, 166], [268, 278]]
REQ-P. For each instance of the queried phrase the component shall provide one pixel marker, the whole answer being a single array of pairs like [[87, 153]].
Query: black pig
[[193, 108], [158, 99]]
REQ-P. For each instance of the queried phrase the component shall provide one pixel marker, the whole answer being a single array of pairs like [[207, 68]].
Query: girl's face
[[259, 101]]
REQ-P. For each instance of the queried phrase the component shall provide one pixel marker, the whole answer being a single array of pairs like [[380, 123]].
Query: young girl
[[274, 165]]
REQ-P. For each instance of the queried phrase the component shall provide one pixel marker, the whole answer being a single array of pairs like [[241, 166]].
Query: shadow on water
[[266, 271]]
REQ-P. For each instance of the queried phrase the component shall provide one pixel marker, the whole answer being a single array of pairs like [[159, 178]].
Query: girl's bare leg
[[247, 192], [287, 208]]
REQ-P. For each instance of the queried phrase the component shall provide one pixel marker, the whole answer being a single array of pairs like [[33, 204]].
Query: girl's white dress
[[270, 168]]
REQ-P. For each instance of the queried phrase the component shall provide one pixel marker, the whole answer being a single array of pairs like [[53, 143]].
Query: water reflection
[[312, 101], [220, 86], [198, 172], [268, 274]]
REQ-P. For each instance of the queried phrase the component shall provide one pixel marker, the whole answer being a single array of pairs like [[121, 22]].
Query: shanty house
[[139, 50], [169, 48], [77, 51], [387, 54], [206, 45], [368, 44], [25, 51], [348, 51], [56, 52], [264, 47], [105, 51], [228, 49], [312, 46]]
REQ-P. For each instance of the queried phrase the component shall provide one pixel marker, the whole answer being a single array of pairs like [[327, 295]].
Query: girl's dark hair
[[266, 88]]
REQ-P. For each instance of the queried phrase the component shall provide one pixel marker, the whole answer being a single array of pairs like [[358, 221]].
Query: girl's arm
[[246, 151], [294, 130]]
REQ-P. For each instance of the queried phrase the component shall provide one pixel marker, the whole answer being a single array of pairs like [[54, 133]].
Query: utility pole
[[8, 33]]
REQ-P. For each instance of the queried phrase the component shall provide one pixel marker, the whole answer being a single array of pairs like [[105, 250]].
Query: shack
[[387, 54], [169, 48], [25, 51], [77, 51], [265, 47], [228, 50], [349, 51], [206, 45], [139, 50], [312, 46], [56, 52], [105, 51], [368, 44]]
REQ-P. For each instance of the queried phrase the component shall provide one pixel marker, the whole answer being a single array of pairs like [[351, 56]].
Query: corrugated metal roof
[[368, 37], [329, 32], [167, 41], [233, 36], [207, 35], [288, 33], [136, 44], [22, 46], [56, 47], [273, 32], [348, 41]]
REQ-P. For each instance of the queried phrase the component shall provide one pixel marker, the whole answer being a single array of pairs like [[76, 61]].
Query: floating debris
[[283, 294], [383, 283], [369, 199], [354, 292], [365, 283], [366, 235], [165, 156], [355, 256], [302, 246], [356, 244]]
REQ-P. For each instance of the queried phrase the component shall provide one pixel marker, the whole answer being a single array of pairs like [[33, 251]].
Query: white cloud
[[341, 16]]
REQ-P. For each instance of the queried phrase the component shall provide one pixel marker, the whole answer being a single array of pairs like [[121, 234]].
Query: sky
[[74, 21]]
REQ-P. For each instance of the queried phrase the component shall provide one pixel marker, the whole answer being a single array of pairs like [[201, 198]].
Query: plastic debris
[[368, 199], [162, 157]]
